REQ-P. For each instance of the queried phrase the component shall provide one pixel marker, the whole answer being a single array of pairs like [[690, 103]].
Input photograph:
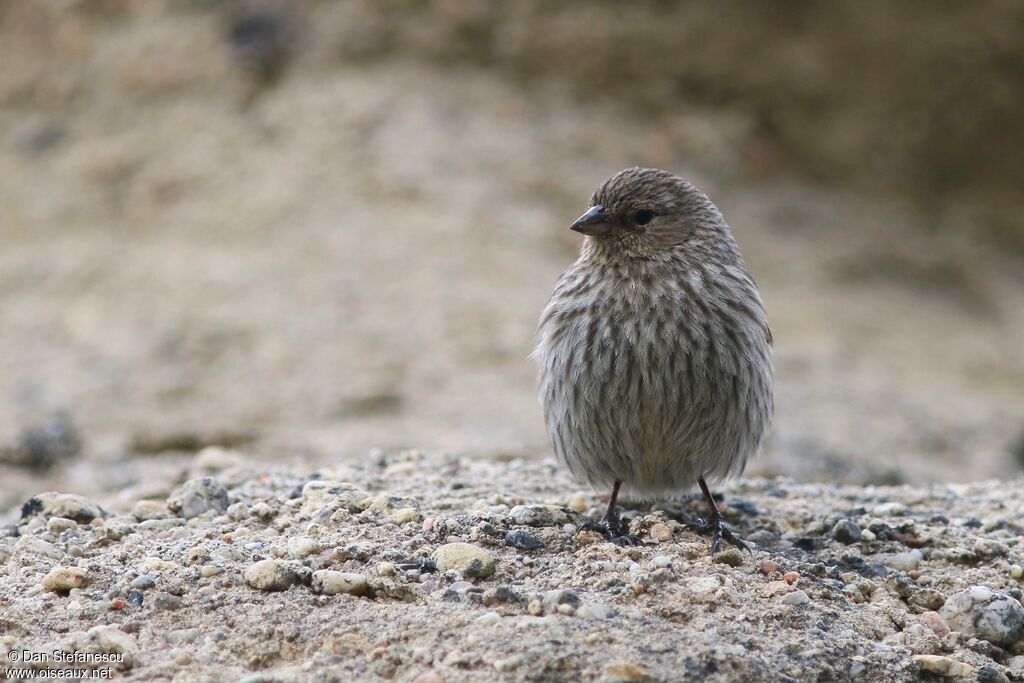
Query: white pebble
[[659, 561], [488, 619], [797, 597], [980, 593], [330, 582]]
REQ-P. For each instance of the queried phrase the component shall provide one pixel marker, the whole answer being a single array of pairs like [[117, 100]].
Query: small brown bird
[[654, 352]]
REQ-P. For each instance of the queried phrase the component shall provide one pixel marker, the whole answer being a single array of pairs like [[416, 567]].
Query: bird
[[654, 353]]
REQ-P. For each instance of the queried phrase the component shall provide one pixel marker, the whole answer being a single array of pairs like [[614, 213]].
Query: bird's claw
[[611, 528], [720, 532], [422, 565]]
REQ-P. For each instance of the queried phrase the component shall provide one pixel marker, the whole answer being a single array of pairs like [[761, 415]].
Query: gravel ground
[[419, 567]]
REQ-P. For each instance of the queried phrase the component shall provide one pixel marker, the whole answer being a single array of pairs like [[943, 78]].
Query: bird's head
[[644, 210]]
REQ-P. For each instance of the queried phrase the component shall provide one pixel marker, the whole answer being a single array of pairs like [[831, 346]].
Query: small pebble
[[464, 557], [270, 575], [797, 597], [67, 505], [112, 639], [932, 621], [331, 582], [428, 677], [626, 672], [538, 515], [774, 589], [165, 601], [488, 619], [661, 532], [763, 538], [991, 673], [508, 664], [730, 556], [196, 555], [143, 582], [903, 561], [768, 566], [524, 540], [986, 547], [943, 666], [58, 524], [658, 562], [215, 458], [63, 579], [703, 588], [790, 577], [555, 600], [596, 610], [146, 510], [301, 547], [889, 510], [846, 531], [197, 496]]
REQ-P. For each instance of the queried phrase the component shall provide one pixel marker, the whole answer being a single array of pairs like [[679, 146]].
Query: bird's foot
[[611, 528], [421, 565], [720, 531]]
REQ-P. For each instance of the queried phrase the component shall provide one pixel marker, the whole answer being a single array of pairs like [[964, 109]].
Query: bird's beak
[[594, 222]]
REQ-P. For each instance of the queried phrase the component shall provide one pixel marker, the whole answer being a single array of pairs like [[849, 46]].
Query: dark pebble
[[500, 594], [523, 540], [143, 582], [166, 601], [135, 598], [489, 529], [763, 537], [744, 506], [882, 531], [991, 674], [810, 543], [846, 531]]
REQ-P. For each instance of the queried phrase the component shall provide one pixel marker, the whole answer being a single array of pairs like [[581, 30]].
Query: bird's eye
[[643, 216]]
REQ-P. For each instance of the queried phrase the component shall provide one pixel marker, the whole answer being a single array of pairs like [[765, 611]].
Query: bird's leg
[[716, 525], [610, 525]]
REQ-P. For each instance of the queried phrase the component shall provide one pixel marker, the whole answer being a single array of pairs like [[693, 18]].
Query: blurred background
[[309, 230]]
